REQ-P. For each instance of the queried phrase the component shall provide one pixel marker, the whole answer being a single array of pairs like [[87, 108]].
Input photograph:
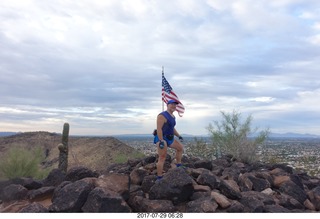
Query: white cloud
[[98, 64], [263, 99]]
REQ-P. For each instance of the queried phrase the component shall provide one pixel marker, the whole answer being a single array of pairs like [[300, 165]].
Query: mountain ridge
[[271, 135], [93, 152]]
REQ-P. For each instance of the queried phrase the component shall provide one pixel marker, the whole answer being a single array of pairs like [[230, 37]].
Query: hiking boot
[[159, 178], [179, 165]]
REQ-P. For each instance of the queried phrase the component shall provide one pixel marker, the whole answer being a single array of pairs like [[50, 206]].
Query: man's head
[[172, 102]]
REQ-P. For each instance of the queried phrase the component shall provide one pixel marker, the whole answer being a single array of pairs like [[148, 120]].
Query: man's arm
[[160, 122], [176, 133]]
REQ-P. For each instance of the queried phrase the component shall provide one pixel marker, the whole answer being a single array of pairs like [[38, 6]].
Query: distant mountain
[[293, 135], [3, 134], [272, 135]]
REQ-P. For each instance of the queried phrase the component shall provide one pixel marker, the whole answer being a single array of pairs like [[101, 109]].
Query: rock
[[297, 180], [236, 207], [231, 173], [118, 183], [259, 184], [34, 208], [264, 198], [149, 160], [252, 204], [77, 173], [13, 206], [176, 185], [148, 182], [146, 205], [230, 186], [315, 197], [311, 183], [279, 180], [41, 193], [222, 200], [308, 204], [288, 202], [55, 177], [264, 175], [206, 164], [199, 195], [103, 200], [201, 188], [275, 209], [222, 162], [71, 197], [244, 182], [228, 191], [238, 165], [208, 179], [284, 167], [204, 205], [30, 183], [217, 170], [137, 176], [293, 190], [268, 191], [14, 192]]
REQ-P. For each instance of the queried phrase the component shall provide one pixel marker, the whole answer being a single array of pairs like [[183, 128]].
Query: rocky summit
[[222, 185]]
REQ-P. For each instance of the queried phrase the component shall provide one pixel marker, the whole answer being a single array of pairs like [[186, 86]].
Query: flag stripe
[[169, 94]]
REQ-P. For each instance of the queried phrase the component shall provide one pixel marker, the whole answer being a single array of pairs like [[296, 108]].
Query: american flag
[[169, 94]]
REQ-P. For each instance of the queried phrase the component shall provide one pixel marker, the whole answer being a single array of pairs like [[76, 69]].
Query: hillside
[[93, 152]]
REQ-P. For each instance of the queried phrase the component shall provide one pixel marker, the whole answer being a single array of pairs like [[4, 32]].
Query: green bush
[[199, 148], [20, 162], [120, 158], [237, 138]]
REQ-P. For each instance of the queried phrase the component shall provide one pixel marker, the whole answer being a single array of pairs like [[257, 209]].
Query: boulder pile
[[221, 185]]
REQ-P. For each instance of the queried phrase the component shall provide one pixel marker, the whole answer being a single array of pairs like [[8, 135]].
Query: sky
[[97, 65]]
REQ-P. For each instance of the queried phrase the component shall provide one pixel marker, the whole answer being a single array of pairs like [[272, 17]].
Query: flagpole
[[161, 88]]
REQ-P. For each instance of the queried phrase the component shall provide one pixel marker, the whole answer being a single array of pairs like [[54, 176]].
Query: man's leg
[[162, 158], [179, 150]]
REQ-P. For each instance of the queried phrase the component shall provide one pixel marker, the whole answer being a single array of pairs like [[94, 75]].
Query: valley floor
[[300, 153]]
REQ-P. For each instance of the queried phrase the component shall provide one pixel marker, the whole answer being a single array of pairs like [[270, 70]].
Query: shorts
[[169, 142]]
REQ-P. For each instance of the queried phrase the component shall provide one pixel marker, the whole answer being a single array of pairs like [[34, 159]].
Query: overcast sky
[[97, 64]]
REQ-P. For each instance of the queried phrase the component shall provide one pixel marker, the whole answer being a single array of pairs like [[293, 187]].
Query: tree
[[231, 136]]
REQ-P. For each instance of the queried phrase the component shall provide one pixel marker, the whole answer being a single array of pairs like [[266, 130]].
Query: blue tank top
[[168, 127]]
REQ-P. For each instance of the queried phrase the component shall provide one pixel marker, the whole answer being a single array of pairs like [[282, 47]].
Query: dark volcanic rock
[[223, 185], [176, 185], [77, 173], [34, 208], [71, 197], [54, 178], [100, 200], [14, 192]]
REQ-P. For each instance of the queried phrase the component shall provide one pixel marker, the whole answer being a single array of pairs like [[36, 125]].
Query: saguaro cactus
[[63, 148]]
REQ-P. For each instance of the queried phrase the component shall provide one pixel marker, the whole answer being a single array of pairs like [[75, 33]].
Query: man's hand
[[161, 144], [180, 138]]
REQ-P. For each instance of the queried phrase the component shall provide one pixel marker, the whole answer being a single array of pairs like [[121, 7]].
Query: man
[[165, 137]]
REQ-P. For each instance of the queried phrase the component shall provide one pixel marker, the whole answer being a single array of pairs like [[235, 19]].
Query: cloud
[[97, 64]]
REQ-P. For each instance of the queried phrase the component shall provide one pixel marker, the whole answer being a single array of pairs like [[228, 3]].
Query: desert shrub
[[272, 159], [120, 158], [237, 138], [20, 162], [200, 148]]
